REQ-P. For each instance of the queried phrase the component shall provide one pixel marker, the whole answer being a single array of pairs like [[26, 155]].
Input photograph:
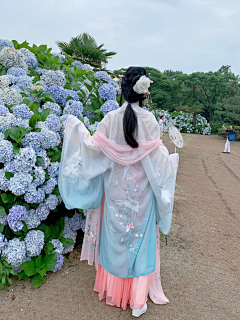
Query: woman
[[127, 175], [227, 144]]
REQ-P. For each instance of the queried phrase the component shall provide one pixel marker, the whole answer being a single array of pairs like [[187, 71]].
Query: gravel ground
[[200, 267]]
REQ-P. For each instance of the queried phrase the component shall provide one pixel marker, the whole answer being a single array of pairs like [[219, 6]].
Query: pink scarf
[[124, 154]]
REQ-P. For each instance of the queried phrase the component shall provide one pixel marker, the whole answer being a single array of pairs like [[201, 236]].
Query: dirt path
[[200, 267]]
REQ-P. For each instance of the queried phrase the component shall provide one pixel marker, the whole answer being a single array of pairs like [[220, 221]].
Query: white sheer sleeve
[[82, 164]]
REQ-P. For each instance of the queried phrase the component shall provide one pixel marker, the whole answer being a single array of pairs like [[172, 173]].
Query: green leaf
[[50, 261], [9, 175], [37, 281], [22, 276], [1, 228], [16, 149], [6, 134], [56, 191], [29, 268], [92, 120], [4, 197], [25, 228], [38, 261], [10, 281], [38, 130], [42, 270], [39, 160], [67, 242], [56, 156], [15, 133], [2, 211], [33, 121], [55, 230]]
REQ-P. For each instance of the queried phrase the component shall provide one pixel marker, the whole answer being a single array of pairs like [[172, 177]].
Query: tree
[[229, 108], [209, 88], [85, 49]]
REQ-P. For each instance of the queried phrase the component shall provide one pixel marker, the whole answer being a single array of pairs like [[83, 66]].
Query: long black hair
[[130, 77]]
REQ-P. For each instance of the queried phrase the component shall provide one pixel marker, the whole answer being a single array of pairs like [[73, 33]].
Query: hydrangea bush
[[183, 121], [38, 90]]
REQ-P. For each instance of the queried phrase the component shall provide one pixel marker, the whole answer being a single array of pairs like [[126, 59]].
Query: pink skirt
[[119, 291]]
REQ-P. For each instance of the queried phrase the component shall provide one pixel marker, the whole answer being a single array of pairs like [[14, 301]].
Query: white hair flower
[[142, 85]]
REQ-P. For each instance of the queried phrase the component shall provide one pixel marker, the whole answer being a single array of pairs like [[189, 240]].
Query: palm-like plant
[[85, 49]]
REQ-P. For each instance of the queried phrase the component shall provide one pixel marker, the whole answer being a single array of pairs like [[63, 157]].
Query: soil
[[200, 266]]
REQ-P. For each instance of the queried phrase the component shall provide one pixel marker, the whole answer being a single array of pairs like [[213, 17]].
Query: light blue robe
[[136, 196]]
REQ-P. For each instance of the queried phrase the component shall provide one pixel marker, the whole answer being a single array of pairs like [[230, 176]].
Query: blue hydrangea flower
[[15, 252], [19, 183], [32, 220], [102, 75], [22, 111], [3, 110], [52, 122], [107, 91], [50, 139], [52, 202], [6, 151], [16, 215], [58, 246], [58, 93], [34, 195], [77, 222], [41, 71], [3, 219], [42, 211], [4, 182], [16, 72], [52, 77], [109, 106], [89, 115], [53, 169], [3, 242], [59, 264], [73, 107], [25, 159], [71, 93], [39, 175], [54, 108], [93, 127], [5, 43], [32, 140], [10, 96], [61, 57], [23, 81], [11, 57], [43, 154], [4, 82], [64, 117], [34, 242], [68, 233], [49, 186], [78, 64]]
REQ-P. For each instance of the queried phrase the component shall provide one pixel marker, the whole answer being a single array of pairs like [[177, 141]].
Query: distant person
[[227, 144], [161, 122]]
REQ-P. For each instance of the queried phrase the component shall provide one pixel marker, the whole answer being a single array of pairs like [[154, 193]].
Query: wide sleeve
[[161, 170], [81, 168]]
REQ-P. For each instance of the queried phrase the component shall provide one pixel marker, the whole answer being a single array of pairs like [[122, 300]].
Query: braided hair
[[130, 77]]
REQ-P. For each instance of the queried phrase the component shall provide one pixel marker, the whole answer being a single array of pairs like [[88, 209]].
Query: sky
[[186, 35]]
